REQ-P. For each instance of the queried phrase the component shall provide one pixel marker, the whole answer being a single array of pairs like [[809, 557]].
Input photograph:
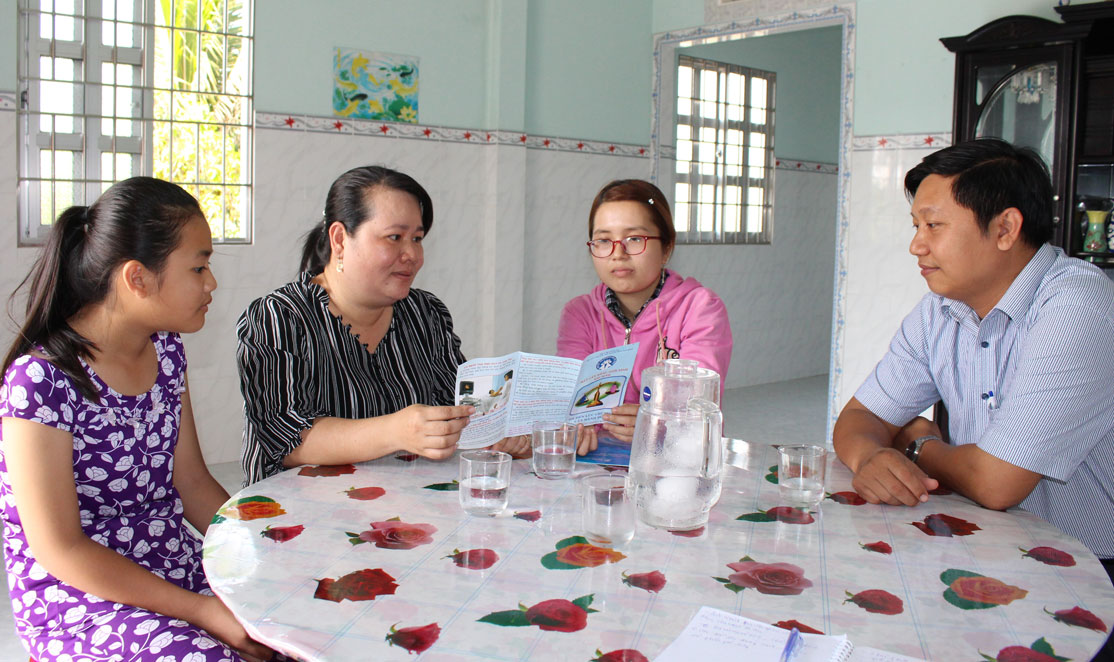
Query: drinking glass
[[801, 472], [554, 445], [484, 476], [608, 516]]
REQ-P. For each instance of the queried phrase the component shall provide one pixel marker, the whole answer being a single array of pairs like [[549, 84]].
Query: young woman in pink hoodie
[[631, 236]]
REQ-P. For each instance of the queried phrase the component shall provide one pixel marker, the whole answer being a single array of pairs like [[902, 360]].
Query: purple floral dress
[[123, 459]]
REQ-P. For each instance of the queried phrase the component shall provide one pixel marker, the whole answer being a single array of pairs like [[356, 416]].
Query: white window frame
[[724, 183], [90, 145]]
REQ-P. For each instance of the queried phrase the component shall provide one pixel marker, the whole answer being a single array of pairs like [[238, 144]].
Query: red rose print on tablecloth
[[249, 508], [557, 615], [848, 498], [366, 584], [414, 639], [786, 514], [1049, 555], [801, 627], [1078, 617], [1040, 651], [576, 552], [282, 533], [529, 516], [394, 534], [474, 559], [624, 655], [650, 581], [880, 547], [877, 601], [970, 590], [768, 578], [365, 493], [946, 525], [688, 533], [327, 470], [771, 475], [406, 457]]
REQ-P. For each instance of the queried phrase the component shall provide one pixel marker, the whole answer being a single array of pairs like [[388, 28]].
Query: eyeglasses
[[633, 245]]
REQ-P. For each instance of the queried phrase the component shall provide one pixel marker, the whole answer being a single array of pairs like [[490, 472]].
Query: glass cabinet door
[[1018, 105]]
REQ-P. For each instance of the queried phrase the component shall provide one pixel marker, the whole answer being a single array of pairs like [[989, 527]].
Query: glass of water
[[484, 477], [801, 472], [608, 514], [554, 445]]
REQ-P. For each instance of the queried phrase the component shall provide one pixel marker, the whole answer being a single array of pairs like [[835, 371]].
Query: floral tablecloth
[[377, 561]]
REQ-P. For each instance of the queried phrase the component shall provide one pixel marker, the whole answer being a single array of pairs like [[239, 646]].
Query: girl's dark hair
[[644, 193], [348, 202], [137, 219]]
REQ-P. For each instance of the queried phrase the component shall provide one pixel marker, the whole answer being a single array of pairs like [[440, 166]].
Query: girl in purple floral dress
[[100, 465]]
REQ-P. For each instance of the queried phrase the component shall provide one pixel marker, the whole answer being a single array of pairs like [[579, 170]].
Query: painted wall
[[8, 36], [588, 67], [807, 64], [294, 44]]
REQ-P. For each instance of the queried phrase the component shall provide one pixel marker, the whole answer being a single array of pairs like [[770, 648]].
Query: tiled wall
[[882, 283], [505, 252]]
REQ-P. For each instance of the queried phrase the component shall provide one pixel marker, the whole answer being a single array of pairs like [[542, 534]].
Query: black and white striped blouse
[[299, 362]]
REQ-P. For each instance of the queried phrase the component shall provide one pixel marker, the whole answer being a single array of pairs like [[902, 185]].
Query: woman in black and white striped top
[[348, 363]]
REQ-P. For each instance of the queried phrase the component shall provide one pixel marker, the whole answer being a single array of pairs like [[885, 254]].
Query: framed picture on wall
[[377, 86]]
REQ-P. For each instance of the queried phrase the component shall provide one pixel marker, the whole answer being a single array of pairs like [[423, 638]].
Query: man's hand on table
[[887, 476]]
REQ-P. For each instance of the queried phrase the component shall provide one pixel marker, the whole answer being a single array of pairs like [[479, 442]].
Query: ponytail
[[349, 203], [137, 219], [315, 248]]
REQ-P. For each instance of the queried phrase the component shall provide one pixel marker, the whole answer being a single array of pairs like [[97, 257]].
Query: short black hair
[[990, 176]]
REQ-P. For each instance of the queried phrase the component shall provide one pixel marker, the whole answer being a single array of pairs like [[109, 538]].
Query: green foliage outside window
[[201, 131]]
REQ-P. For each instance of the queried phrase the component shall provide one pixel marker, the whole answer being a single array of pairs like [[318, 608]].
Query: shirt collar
[[1019, 297]]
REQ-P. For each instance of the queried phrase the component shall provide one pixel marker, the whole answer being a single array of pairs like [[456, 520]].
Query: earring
[[340, 266]]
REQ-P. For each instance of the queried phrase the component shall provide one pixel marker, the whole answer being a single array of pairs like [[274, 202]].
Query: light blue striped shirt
[[1031, 384]]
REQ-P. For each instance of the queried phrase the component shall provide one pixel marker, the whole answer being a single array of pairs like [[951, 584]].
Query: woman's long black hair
[[137, 219], [348, 203]]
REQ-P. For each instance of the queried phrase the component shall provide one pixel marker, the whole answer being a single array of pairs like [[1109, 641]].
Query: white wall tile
[[883, 283]]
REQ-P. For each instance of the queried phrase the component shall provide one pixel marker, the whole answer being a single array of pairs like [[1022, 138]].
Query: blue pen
[[792, 646], [991, 403]]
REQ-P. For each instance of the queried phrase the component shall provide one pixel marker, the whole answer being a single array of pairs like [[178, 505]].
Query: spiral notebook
[[718, 635]]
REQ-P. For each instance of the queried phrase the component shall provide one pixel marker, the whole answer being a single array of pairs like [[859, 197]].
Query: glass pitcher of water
[[676, 462]]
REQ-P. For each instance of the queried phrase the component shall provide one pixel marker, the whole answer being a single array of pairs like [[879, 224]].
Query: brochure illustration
[[511, 392]]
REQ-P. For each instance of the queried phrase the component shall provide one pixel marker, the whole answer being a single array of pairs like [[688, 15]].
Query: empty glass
[[608, 516], [484, 477], [554, 445], [801, 472]]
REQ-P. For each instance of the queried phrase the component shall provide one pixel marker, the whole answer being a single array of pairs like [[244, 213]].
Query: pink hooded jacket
[[687, 321]]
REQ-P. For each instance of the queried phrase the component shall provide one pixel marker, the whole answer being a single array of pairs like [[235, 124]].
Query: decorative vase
[[1096, 241]]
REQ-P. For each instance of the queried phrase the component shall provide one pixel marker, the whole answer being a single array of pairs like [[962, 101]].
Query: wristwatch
[[913, 450]]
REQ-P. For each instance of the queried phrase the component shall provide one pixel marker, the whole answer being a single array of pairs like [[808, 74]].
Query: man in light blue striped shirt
[[1015, 338]]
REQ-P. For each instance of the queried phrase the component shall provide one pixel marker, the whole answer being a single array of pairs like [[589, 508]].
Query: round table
[[377, 561]]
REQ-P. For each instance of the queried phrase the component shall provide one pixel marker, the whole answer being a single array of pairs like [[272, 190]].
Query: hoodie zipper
[[626, 340]]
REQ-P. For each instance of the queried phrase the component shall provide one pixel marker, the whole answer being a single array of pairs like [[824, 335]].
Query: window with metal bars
[[111, 89], [724, 180]]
